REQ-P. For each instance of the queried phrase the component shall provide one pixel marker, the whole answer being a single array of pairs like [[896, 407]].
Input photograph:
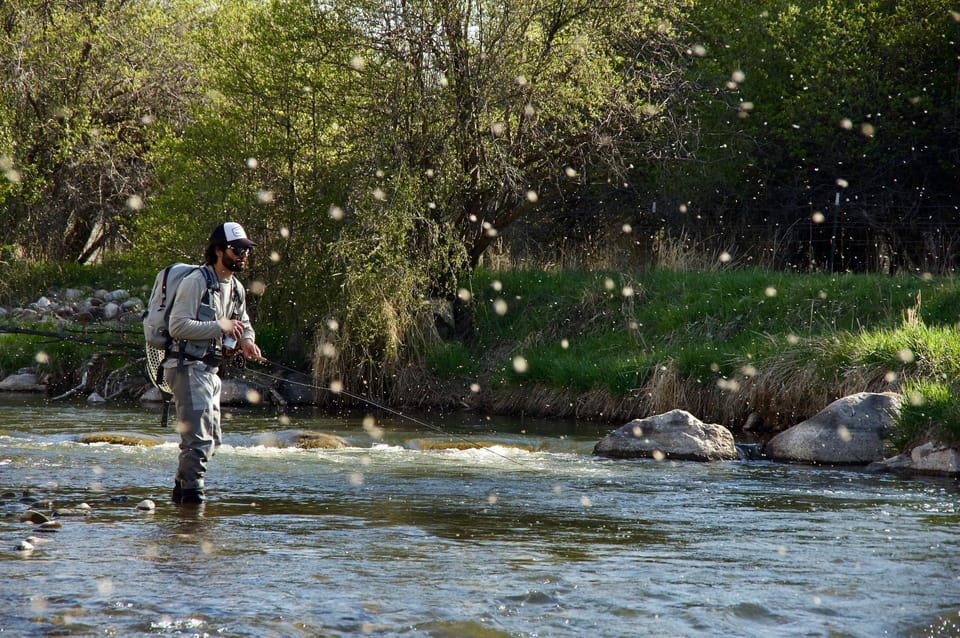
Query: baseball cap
[[230, 233]]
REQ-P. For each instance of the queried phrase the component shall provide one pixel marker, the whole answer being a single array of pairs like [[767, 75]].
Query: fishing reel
[[233, 356]]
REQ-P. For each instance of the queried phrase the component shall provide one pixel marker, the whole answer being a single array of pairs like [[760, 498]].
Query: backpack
[[156, 319]]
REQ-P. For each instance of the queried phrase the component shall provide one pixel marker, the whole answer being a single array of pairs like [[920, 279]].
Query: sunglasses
[[241, 250]]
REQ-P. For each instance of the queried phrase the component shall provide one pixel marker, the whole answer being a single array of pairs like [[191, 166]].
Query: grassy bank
[[727, 346]]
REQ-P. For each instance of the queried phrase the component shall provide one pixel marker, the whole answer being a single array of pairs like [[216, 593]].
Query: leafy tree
[[381, 148], [83, 83], [804, 100], [512, 106]]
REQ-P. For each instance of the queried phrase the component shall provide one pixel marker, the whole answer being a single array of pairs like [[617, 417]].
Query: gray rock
[[152, 395], [27, 314], [674, 435], [236, 392], [65, 512], [133, 304], [146, 505], [111, 311], [851, 430], [42, 302], [73, 294], [119, 295], [25, 382], [929, 459]]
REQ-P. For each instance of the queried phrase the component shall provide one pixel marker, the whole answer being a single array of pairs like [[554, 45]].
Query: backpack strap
[[163, 288], [238, 303]]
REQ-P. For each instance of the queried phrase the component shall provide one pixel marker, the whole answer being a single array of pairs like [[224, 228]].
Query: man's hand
[[250, 350], [231, 328]]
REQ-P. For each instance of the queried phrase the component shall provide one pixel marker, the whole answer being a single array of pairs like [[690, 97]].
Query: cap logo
[[234, 231]]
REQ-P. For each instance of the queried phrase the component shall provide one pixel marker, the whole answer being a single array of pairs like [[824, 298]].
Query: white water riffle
[[534, 537]]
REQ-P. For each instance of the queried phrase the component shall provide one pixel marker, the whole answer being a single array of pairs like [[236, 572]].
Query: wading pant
[[196, 389]]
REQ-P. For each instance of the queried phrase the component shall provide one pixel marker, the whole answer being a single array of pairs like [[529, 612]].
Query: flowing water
[[388, 537]]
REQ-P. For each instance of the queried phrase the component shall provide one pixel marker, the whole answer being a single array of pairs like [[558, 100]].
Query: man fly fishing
[[208, 321]]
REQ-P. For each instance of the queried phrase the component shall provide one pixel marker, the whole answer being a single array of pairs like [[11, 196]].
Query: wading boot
[[194, 496], [177, 496]]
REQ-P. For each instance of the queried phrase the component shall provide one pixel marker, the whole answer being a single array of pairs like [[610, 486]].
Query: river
[[387, 537]]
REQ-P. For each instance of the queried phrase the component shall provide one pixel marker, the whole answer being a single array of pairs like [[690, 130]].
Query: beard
[[232, 264]]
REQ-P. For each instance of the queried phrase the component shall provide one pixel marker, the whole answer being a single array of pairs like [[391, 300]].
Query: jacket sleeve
[[183, 314]]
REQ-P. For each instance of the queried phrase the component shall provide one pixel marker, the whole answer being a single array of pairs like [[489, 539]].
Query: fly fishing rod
[[241, 362]]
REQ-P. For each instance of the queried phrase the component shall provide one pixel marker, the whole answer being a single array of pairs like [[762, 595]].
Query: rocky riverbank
[[82, 307], [108, 323]]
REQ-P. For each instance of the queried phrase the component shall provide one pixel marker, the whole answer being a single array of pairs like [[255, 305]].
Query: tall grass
[[931, 411], [724, 344]]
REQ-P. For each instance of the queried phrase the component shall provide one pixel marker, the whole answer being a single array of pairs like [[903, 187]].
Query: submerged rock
[[851, 430], [427, 444], [33, 516], [674, 435], [120, 438], [928, 459], [303, 439], [80, 510]]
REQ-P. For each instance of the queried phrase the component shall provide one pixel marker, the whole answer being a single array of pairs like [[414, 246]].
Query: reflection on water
[[534, 537]]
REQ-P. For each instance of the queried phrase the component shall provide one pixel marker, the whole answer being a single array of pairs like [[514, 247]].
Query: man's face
[[235, 259]]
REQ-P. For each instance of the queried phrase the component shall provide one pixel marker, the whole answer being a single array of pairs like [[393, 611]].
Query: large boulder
[[674, 435], [929, 458], [22, 382], [851, 430]]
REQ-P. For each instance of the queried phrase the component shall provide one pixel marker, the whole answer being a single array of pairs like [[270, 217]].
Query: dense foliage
[[830, 132]]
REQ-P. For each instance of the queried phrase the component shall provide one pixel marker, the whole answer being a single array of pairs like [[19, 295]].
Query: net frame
[[155, 358]]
